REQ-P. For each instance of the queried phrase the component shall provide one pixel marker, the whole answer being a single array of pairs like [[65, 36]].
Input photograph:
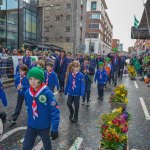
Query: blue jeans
[[31, 135]]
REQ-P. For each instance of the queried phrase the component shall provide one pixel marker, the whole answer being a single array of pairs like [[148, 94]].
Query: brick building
[[98, 28]]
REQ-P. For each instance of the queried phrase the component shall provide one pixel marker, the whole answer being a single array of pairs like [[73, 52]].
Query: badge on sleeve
[[42, 98], [53, 103]]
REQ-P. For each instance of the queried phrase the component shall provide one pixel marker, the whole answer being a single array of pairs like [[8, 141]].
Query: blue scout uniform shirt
[[47, 108], [101, 76], [52, 80], [27, 61], [79, 89], [24, 83], [2, 95]]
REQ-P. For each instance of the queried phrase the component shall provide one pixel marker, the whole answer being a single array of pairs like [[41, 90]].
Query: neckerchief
[[61, 61], [21, 78], [74, 81], [48, 74], [35, 94]]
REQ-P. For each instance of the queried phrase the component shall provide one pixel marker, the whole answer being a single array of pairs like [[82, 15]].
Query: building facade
[[18, 22], [115, 44], [98, 28], [62, 23], [141, 45]]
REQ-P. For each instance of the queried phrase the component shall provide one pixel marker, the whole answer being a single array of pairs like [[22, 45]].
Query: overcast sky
[[121, 14]]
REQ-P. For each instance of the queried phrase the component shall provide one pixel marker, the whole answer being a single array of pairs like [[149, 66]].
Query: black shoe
[[3, 117], [74, 120], [98, 98], [101, 98], [71, 116], [115, 84]]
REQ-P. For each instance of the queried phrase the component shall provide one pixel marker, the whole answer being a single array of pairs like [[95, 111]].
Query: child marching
[[88, 70], [22, 84], [101, 78], [43, 111], [51, 79], [75, 88]]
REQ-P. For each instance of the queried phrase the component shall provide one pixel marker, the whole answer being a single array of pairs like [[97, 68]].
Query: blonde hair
[[70, 68], [41, 63]]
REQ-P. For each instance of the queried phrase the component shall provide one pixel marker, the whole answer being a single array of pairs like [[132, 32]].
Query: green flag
[[136, 22], [115, 49]]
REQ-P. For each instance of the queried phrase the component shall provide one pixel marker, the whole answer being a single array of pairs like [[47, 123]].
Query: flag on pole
[[136, 22]]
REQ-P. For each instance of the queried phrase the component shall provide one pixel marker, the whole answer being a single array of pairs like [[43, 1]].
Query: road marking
[[11, 132], [147, 116], [136, 85], [76, 145], [39, 146]]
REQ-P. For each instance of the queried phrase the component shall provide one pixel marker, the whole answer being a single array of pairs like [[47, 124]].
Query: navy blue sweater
[[79, 90], [52, 80], [25, 84], [101, 76], [48, 111]]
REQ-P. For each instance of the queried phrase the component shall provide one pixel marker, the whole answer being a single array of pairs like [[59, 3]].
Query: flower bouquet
[[132, 72], [114, 128], [119, 98]]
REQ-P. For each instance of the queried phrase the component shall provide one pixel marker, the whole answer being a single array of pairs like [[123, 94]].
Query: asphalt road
[[86, 128]]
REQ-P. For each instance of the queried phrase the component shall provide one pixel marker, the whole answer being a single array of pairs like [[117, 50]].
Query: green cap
[[108, 59], [101, 64], [33, 59], [37, 73]]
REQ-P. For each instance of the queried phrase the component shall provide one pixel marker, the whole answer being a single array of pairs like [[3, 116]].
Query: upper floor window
[[68, 6], [93, 5]]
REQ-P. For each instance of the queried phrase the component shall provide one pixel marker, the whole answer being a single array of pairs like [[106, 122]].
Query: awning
[[142, 31], [41, 46]]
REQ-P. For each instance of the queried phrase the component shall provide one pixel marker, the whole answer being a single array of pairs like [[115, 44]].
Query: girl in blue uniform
[[75, 88]]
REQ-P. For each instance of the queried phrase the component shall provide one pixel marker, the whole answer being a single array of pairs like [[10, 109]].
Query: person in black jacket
[[88, 70], [60, 67]]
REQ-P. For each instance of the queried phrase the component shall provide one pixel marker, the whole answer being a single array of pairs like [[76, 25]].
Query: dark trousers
[[115, 74], [31, 135], [61, 79], [20, 100], [87, 91], [100, 88], [76, 101]]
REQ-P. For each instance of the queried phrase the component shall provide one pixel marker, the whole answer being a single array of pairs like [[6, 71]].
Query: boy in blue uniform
[[43, 112], [27, 59], [101, 78], [88, 70], [4, 101], [51, 79], [18, 67], [22, 84], [75, 88], [33, 62]]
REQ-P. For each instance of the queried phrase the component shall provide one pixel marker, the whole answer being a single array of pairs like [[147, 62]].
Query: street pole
[[73, 27]]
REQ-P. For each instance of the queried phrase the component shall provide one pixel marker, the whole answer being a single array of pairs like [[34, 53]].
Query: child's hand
[[54, 135]]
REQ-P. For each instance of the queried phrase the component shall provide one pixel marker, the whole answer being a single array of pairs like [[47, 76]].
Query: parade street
[[85, 133]]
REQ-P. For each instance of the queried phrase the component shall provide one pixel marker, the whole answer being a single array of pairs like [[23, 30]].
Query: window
[[68, 29], [27, 1], [93, 5], [92, 35], [94, 26], [67, 39], [57, 18], [95, 16], [46, 29], [68, 17], [68, 6]]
